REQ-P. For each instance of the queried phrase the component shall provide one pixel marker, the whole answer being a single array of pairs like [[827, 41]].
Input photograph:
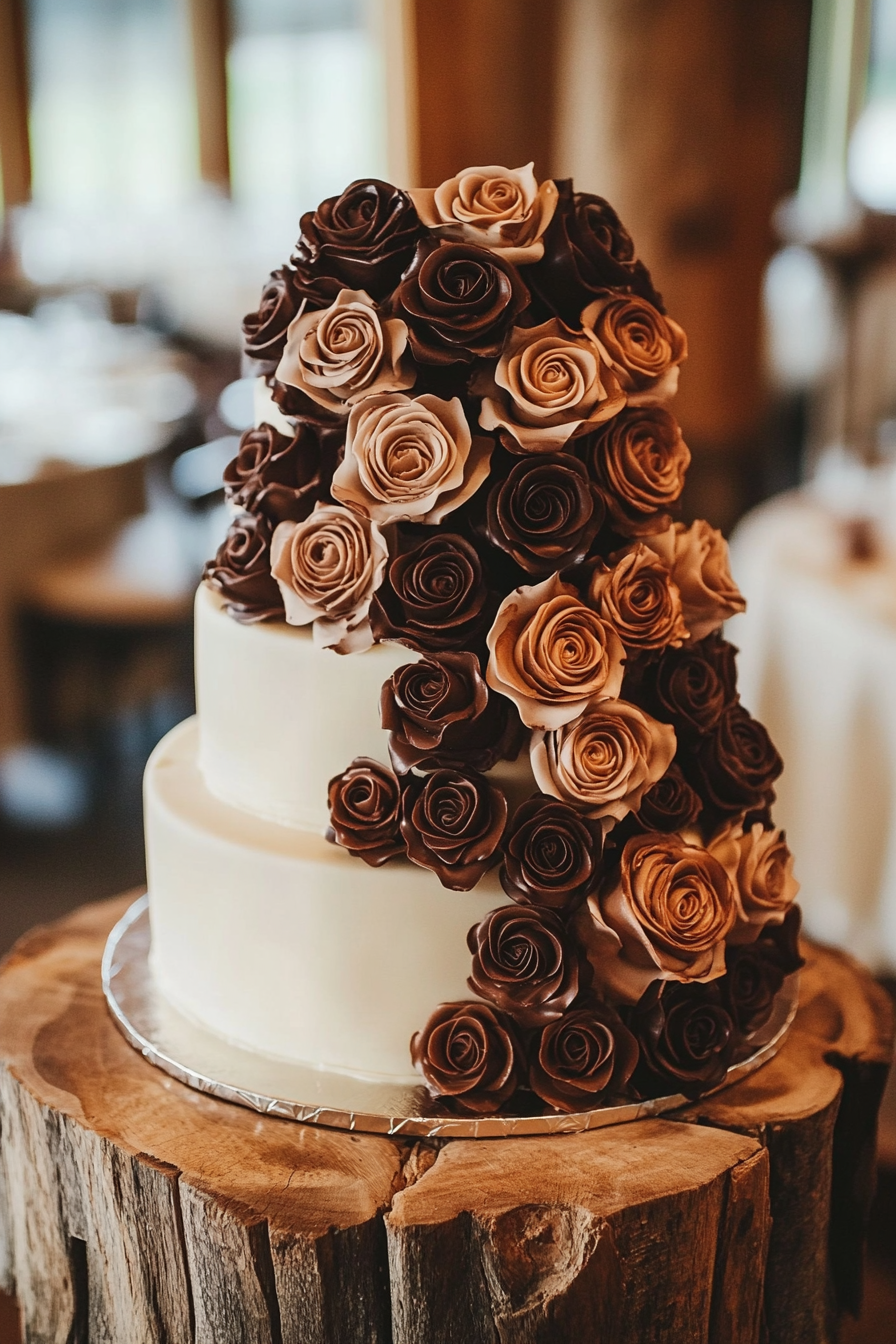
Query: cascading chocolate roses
[[365, 237], [695, 685], [760, 867], [583, 1055], [264, 331], [503, 209], [283, 477], [435, 597], [552, 855], [639, 600], [546, 513], [686, 1039], [470, 1053], [524, 963], [241, 572], [439, 712], [697, 557], [640, 459], [670, 804], [643, 348], [365, 805], [452, 823], [734, 767]]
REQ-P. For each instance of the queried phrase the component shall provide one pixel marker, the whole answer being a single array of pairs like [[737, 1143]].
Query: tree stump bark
[[133, 1209]]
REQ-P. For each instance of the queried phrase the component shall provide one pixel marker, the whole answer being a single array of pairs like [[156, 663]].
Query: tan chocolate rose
[[665, 918], [551, 655], [344, 352], [409, 458], [604, 762], [328, 568], [761, 870], [638, 598], [503, 209], [697, 557], [643, 348], [550, 384]]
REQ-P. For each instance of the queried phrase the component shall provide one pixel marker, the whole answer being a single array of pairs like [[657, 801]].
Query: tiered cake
[[470, 793]]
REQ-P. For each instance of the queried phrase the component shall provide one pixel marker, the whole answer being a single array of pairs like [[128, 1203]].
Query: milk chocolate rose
[[734, 767], [328, 568], [666, 917], [587, 250], [761, 870], [470, 1053], [503, 209], [695, 685], [604, 762], [550, 384], [366, 237], [671, 804], [283, 477], [638, 598], [264, 331], [434, 597], [686, 1039], [643, 348], [458, 301], [551, 655], [546, 513], [452, 822], [585, 1055], [241, 573], [345, 352], [438, 712], [552, 855], [698, 558], [639, 460], [409, 458], [364, 803], [524, 963]]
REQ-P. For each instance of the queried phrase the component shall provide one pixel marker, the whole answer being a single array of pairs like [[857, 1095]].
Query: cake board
[[132, 1207]]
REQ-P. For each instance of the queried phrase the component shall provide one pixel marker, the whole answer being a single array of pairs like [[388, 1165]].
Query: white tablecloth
[[818, 667]]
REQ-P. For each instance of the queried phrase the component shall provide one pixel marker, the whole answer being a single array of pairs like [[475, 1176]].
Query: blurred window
[[872, 150]]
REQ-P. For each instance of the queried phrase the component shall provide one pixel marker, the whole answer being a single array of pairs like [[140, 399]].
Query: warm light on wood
[[210, 26], [15, 152]]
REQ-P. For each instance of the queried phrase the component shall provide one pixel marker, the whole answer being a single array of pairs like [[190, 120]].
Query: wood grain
[[132, 1208]]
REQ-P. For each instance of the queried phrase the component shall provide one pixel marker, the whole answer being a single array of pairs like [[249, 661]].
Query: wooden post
[[15, 151], [134, 1209], [210, 26]]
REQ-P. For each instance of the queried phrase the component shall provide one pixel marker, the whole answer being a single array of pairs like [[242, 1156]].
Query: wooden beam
[[15, 151], [210, 27]]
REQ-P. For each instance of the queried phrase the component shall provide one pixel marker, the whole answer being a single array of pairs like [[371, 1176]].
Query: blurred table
[[818, 667]]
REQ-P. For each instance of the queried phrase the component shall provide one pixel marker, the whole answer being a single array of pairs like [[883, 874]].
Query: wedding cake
[[469, 797]]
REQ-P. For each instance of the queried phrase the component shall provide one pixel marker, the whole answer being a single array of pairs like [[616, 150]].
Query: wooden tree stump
[[134, 1210]]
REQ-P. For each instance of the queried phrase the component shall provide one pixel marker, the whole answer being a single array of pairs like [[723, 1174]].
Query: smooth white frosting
[[279, 717], [287, 945]]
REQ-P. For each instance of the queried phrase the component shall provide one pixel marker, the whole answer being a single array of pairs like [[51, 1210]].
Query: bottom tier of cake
[[283, 943]]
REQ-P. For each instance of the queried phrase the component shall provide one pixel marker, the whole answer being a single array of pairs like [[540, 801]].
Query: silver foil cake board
[[312, 1096]]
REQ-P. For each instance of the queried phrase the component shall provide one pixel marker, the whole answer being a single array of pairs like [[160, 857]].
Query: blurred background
[[155, 158]]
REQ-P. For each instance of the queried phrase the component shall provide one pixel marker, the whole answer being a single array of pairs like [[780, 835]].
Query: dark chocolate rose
[[241, 572], [470, 1053], [639, 459], [525, 963], [264, 331], [751, 981], [439, 712], [696, 684], [783, 940], [546, 513], [366, 237], [552, 855], [686, 1038], [452, 822], [587, 250], [434, 597], [283, 478], [365, 802], [734, 767], [458, 302], [576, 1060], [670, 805]]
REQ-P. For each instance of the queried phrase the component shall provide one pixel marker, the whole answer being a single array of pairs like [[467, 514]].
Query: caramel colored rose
[[638, 598], [643, 348], [639, 460], [551, 655], [697, 557], [604, 762], [666, 917], [761, 870], [503, 209], [328, 568], [346, 352], [550, 383], [409, 458]]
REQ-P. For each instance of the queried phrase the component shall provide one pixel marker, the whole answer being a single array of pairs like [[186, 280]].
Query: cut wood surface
[[134, 1209]]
